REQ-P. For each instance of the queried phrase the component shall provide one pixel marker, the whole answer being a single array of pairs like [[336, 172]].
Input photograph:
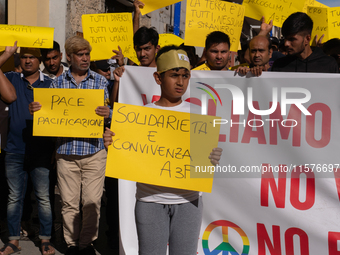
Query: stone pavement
[[30, 246]]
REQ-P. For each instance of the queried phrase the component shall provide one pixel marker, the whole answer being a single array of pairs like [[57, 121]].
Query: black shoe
[[89, 250], [72, 250]]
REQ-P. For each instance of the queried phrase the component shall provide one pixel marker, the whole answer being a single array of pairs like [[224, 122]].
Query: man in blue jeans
[[26, 154]]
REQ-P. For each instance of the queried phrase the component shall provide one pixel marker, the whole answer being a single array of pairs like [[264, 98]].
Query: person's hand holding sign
[[33, 107], [215, 156], [103, 111]]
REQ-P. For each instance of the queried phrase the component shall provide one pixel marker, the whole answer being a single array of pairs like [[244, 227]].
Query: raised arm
[[265, 28], [7, 91], [136, 6]]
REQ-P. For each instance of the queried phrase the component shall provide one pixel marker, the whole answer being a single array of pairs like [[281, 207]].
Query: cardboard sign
[[68, 113], [152, 5], [27, 36], [275, 10], [106, 32], [161, 147], [204, 17]]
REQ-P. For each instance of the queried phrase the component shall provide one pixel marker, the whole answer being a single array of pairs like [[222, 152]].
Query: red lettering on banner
[[154, 99], [336, 172], [263, 239], [295, 188], [249, 132], [194, 100], [325, 125], [278, 191], [274, 247], [289, 242], [294, 113], [233, 137], [333, 238]]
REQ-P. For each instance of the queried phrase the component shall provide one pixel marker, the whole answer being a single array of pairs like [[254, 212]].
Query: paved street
[[30, 246]]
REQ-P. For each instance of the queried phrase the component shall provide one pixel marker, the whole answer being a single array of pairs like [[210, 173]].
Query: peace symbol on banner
[[225, 247]]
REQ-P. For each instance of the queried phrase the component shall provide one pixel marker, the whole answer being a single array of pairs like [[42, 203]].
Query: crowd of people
[[163, 215]]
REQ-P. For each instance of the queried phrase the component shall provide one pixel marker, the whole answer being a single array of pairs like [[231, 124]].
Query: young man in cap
[[168, 215]]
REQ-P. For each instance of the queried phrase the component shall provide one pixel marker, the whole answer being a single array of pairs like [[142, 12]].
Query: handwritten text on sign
[[320, 22], [204, 17], [157, 147], [312, 3], [106, 32], [68, 113], [276, 10], [334, 22], [27, 36]]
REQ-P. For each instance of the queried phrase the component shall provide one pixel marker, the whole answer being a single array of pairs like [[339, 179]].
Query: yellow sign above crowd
[[106, 32], [161, 147], [68, 113], [312, 3], [152, 5], [169, 39], [326, 21], [204, 17], [320, 22], [275, 10], [26, 36], [334, 22]]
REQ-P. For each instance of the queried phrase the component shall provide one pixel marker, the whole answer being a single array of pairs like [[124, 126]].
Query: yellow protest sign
[[320, 22], [106, 32], [161, 147], [27, 36], [204, 17], [68, 113], [334, 22], [169, 39], [312, 3], [275, 10], [152, 5]]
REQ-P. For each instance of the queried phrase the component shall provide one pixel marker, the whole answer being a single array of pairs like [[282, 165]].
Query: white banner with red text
[[277, 188]]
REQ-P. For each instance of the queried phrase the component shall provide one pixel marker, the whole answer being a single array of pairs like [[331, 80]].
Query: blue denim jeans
[[17, 171]]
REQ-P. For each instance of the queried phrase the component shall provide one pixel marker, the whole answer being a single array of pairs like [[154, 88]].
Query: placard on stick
[[204, 17], [68, 113], [106, 32], [27, 36], [161, 147]]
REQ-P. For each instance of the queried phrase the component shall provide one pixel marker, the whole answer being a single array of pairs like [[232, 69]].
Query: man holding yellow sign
[[80, 161], [165, 214]]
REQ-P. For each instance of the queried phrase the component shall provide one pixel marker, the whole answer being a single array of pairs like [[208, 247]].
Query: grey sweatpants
[[160, 224]]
